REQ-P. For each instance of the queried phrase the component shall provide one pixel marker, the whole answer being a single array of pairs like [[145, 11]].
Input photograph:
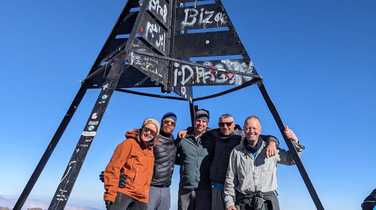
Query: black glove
[[101, 176], [122, 179], [108, 204]]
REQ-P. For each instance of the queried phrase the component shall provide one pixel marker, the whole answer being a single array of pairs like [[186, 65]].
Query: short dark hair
[[225, 116]]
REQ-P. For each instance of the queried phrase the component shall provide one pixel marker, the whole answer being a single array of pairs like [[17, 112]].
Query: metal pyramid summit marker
[[170, 44], [175, 45]]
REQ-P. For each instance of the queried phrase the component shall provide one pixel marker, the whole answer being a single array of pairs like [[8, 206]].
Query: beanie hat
[[170, 115], [202, 114], [152, 121]]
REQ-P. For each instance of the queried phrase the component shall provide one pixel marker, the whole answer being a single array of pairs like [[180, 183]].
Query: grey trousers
[[217, 199], [159, 198], [124, 202], [194, 199]]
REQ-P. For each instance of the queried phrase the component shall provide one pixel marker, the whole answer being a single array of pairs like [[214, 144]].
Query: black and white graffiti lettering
[[182, 74], [91, 122], [156, 7], [84, 145], [94, 116], [202, 17], [71, 165], [61, 195], [236, 66], [88, 140], [147, 64], [89, 133], [105, 86], [222, 72], [155, 34]]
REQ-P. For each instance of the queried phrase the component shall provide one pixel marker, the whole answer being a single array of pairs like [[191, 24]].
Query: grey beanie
[[152, 121], [202, 113]]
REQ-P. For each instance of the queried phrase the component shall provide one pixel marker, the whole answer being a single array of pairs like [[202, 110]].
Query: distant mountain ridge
[[9, 201]]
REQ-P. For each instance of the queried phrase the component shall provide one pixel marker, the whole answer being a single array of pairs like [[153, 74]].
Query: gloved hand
[[122, 179], [108, 204], [101, 176]]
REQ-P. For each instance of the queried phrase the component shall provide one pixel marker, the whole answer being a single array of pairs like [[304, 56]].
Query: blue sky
[[317, 59]]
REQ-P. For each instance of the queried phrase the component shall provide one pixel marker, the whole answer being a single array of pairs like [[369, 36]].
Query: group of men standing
[[223, 168]]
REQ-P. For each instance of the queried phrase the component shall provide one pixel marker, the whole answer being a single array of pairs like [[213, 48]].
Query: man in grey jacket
[[224, 140], [251, 179]]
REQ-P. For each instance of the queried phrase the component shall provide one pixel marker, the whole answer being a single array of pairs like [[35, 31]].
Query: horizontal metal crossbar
[[198, 65]]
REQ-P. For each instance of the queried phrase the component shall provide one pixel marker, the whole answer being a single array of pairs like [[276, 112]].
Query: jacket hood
[[132, 134], [135, 134]]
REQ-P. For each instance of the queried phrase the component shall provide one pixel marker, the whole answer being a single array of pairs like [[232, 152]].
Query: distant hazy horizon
[[317, 60]]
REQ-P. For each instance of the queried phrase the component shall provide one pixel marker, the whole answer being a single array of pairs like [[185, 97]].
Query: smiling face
[[226, 125], [168, 125], [201, 125], [252, 129], [148, 132]]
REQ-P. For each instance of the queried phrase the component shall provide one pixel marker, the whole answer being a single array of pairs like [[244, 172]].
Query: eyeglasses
[[169, 122], [148, 130], [223, 124]]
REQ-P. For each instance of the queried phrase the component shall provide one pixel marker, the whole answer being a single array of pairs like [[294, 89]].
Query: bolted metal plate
[[207, 44]]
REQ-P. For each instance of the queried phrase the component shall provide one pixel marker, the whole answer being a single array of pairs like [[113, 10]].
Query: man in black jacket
[[164, 154]]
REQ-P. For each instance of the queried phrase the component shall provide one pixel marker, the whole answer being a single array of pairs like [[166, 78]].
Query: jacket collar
[[246, 152]]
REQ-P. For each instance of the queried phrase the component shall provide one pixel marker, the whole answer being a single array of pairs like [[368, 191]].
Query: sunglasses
[[169, 122], [223, 124], [148, 130]]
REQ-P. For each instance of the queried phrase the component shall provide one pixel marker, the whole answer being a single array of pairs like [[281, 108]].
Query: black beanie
[[169, 115]]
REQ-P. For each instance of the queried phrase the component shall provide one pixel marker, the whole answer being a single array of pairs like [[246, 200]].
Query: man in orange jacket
[[134, 157]]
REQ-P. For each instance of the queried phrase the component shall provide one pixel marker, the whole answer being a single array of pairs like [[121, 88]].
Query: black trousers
[[266, 201], [124, 202], [194, 199]]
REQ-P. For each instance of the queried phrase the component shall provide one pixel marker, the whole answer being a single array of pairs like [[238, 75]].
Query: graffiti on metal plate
[[160, 9], [237, 66], [148, 64], [155, 35], [214, 74], [201, 17]]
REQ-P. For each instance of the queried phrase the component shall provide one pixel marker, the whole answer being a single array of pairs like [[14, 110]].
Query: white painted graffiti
[[187, 74], [203, 17], [71, 165], [93, 122], [146, 63], [89, 133], [94, 116], [61, 195], [236, 66], [105, 86], [215, 73], [155, 33], [155, 6]]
